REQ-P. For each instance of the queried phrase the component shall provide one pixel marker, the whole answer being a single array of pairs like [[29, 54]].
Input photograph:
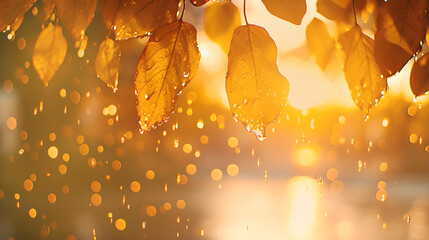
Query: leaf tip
[[258, 131]]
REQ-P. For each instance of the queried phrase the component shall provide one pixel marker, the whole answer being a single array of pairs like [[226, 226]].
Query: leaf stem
[[183, 10], [354, 11], [244, 12]]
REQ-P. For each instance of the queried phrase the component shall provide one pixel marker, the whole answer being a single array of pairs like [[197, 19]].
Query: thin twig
[[354, 11], [244, 11], [183, 10]]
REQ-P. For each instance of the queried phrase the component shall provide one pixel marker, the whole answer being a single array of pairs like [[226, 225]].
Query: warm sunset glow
[[306, 156], [214, 119], [303, 206]]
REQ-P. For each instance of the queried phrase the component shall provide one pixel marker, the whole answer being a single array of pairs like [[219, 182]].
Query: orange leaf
[[48, 8], [319, 43], [199, 3], [12, 10], [107, 63], [338, 10], [167, 64], [136, 18], [220, 20], [362, 73], [76, 15], [419, 78], [49, 52], [401, 26], [14, 27], [289, 10], [108, 11], [256, 89]]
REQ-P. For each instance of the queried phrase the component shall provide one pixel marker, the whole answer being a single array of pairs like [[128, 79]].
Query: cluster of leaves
[[255, 88], [400, 30]]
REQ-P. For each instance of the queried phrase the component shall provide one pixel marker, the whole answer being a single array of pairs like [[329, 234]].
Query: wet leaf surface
[[167, 64], [256, 90]]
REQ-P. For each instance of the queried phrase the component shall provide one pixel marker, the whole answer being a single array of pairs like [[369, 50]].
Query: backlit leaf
[[401, 26], [419, 78], [167, 64], [199, 3], [136, 18], [107, 63], [319, 42], [289, 10], [76, 15], [256, 89], [48, 8], [108, 11], [12, 10], [220, 20], [338, 10], [362, 73], [49, 52], [14, 27]]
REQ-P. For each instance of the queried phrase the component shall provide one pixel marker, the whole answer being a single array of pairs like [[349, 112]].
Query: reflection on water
[[301, 208], [302, 200], [257, 210], [418, 224]]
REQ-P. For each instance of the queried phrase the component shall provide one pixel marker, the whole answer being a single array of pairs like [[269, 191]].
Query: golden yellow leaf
[[199, 3], [108, 11], [419, 78], [76, 15], [256, 89], [289, 10], [319, 42], [338, 10], [49, 52], [48, 8], [362, 73], [136, 18], [107, 63], [401, 27], [14, 27], [167, 64], [12, 10], [220, 20]]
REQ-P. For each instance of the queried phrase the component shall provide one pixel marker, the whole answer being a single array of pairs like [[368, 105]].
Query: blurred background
[[74, 166]]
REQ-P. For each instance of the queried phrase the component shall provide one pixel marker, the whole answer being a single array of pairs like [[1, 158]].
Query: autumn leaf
[[49, 52], [319, 42], [107, 63], [48, 8], [366, 8], [108, 11], [167, 64], [419, 78], [289, 10], [12, 10], [136, 18], [362, 73], [337, 10], [14, 27], [401, 26], [76, 15], [220, 20], [199, 3], [256, 89]]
